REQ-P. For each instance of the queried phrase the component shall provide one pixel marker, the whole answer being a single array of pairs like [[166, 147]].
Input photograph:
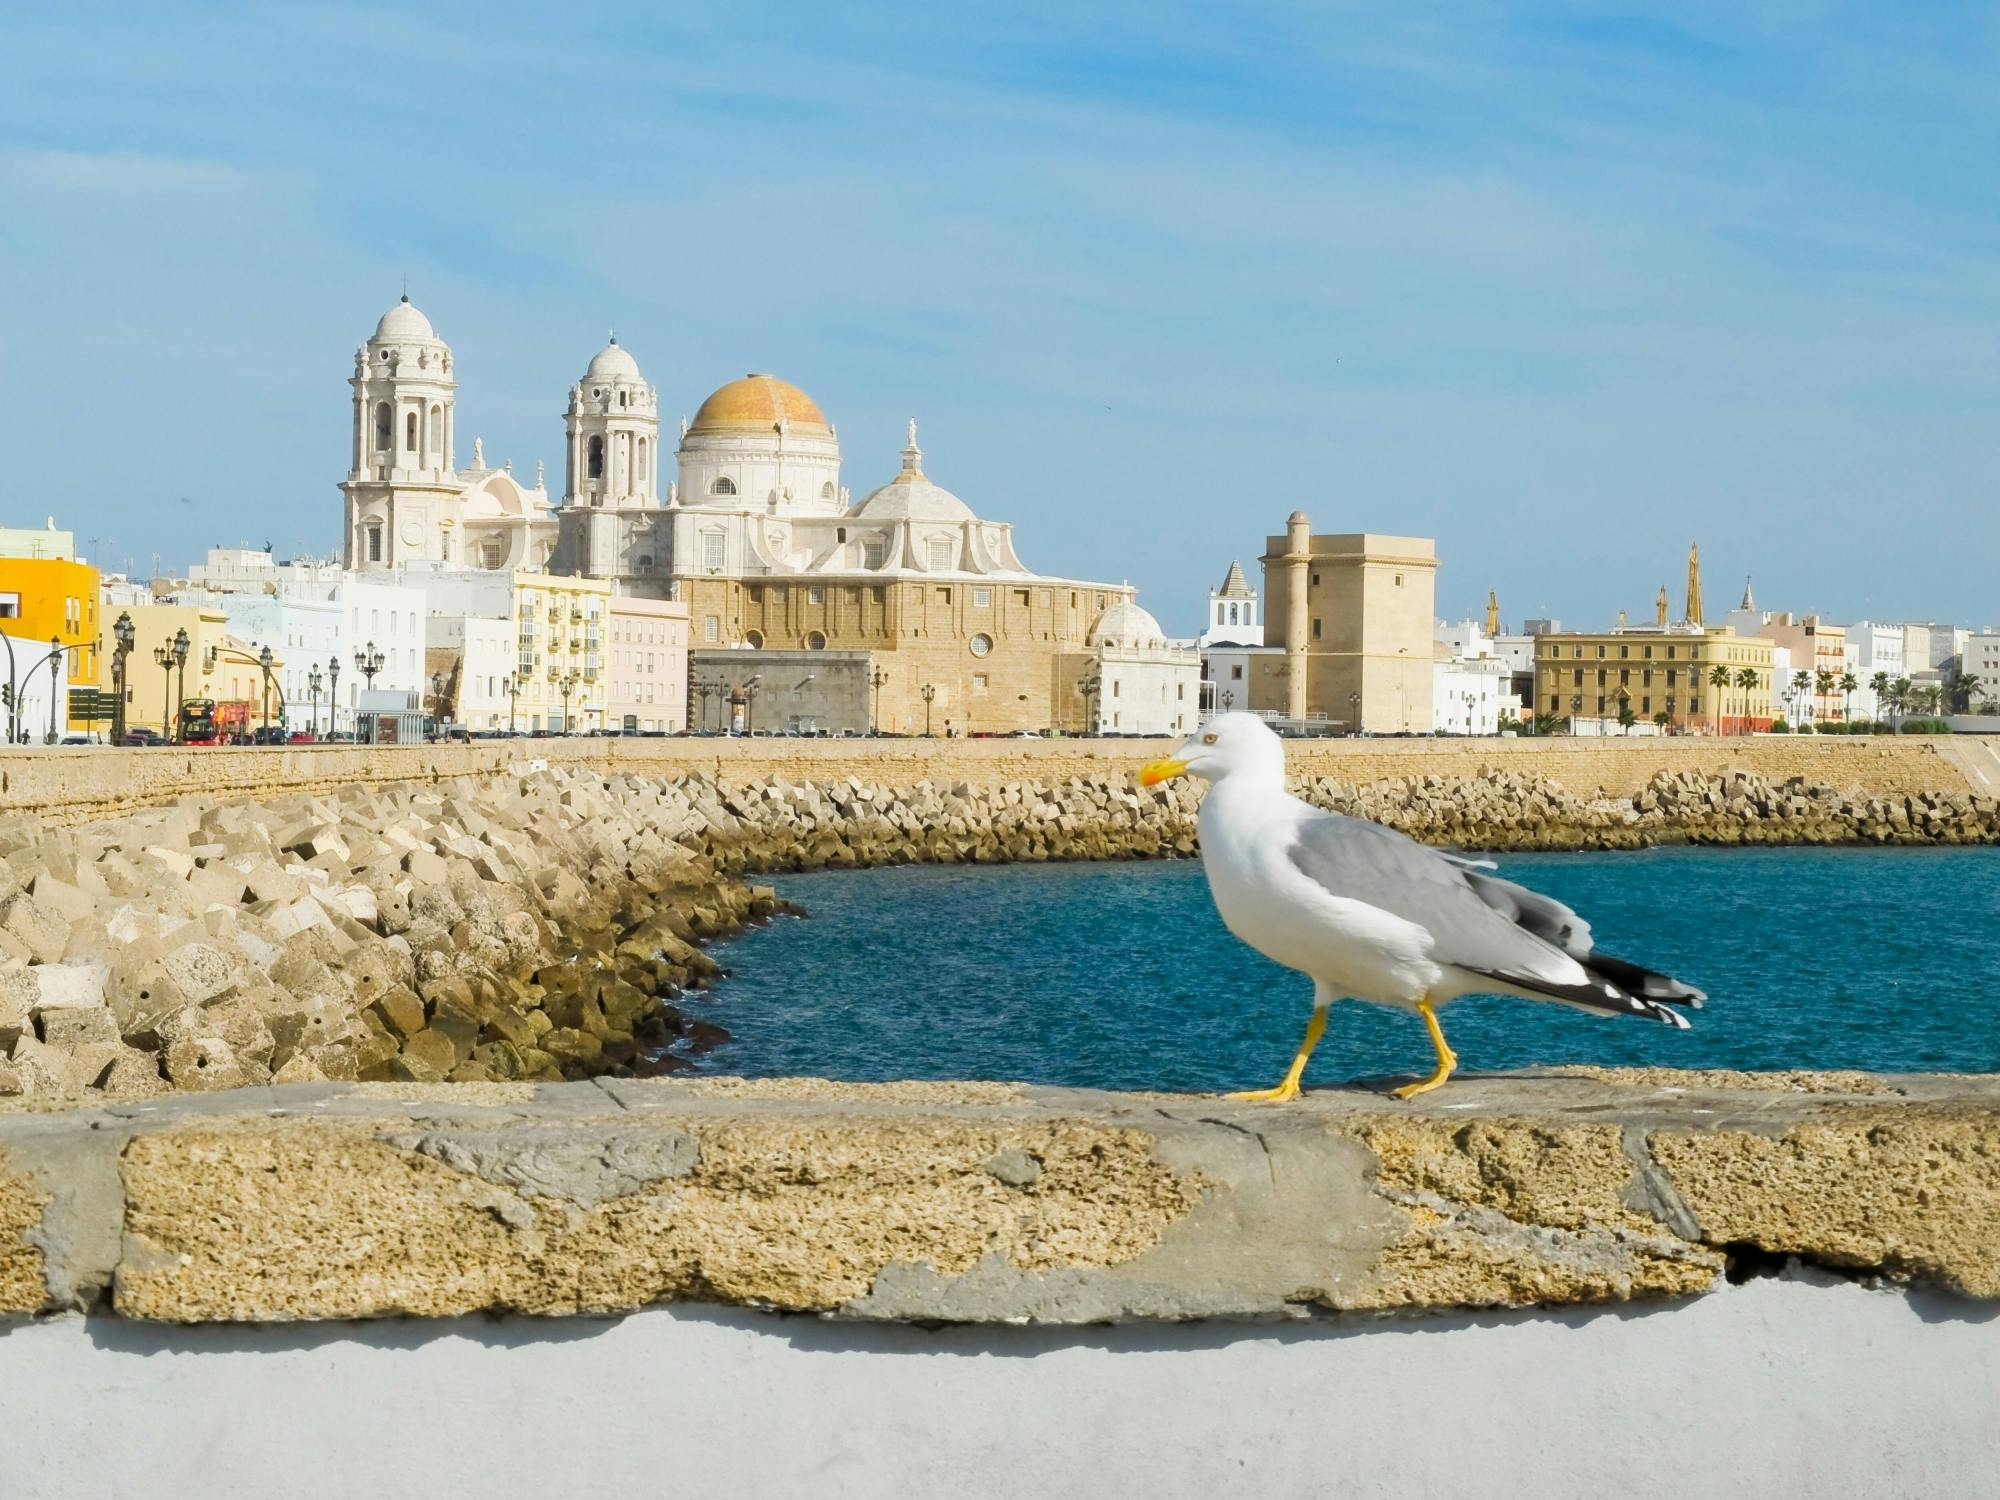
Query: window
[[826, 490], [815, 641], [1021, 597], [754, 640], [410, 433], [383, 417], [1315, 580], [1236, 672], [594, 461], [979, 682], [940, 553], [723, 486], [1315, 630], [1117, 688], [711, 628], [816, 594], [622, 398], [711, 551], [642, 460], [982, 598], [1399, 580], [374, 543], [437, 429], [980, 645], [874, 553], [944, 596]]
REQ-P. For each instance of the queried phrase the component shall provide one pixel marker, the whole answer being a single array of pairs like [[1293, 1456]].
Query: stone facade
[[1354, 614], [1661, 669]]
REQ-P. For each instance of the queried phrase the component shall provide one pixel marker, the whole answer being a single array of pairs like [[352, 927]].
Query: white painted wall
[[1772, 1390]]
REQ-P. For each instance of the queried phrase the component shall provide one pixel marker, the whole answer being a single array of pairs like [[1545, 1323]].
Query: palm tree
[[1847, 684], [1718, 678], [1879, 686], [1746, 679], [1802, 693], [1963, 685], [1900, 692], [1823, 680]]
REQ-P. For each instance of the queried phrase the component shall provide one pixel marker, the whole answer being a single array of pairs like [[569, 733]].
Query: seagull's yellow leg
[[1447, 1059], [1289, 1089]]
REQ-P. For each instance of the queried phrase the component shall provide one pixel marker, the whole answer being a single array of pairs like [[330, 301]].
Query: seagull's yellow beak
[[1155, 772]]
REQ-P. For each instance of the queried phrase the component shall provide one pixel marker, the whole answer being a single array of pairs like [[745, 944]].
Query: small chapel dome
[[612, 363], [912, 496], [758, 403], [404, 324], [1126, 624]]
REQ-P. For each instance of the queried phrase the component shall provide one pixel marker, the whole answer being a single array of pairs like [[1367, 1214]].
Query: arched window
[[384, 427], [815, 641], [754, 640], [826, 490], [1232, 614], [437, 429], [596, 469], [642, 460], [723, 486], [374, 543], [621, 398], [410, 433]]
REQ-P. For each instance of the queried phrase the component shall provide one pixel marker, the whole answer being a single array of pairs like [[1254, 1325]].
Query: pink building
[[646, 686]]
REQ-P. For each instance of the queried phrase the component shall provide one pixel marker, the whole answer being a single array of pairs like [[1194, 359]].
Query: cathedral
[[755, 534]]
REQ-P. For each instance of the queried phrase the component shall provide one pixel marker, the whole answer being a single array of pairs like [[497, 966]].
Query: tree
[[1662, 718], [1626, 718], [1746, 679], [1964, 685], [1823, 680], [1879, 686], [1718, 678], [1802, 693], [1847, 684], [1900, 692]]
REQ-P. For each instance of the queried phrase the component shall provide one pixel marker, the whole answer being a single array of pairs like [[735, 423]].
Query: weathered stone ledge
[[991, 1202]]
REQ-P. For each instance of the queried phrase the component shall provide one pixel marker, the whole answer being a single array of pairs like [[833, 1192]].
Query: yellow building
[[1657, 670], [1354, 615], [49, 598], [559, 632], [218, 665]]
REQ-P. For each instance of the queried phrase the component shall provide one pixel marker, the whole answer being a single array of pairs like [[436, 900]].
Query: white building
[[33, 685], [386, 619], [481, 649], [1980, 657], [1874, 648], [1232, 613], [610, 525], [1470, 693], [1145, 685]]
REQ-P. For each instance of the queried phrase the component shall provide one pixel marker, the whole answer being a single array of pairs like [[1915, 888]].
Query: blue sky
[[1565, 287]]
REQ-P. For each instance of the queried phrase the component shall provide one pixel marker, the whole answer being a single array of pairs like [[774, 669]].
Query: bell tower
[[401, 475]]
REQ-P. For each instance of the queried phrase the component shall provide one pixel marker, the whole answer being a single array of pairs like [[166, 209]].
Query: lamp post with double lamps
[[264, 660], [567, 685], [122, 635], [314, 682], [368, 662], [928, 692], [332, 694], [876, 678]]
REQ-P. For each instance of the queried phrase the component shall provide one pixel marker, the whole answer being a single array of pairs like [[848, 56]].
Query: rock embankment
[[778, 825], [531, 927], [540, 924]]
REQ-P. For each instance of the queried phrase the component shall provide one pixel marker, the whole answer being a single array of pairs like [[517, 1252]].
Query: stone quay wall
[[80, 784]]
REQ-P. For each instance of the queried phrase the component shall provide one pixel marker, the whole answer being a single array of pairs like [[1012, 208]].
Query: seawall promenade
[[77, 784]]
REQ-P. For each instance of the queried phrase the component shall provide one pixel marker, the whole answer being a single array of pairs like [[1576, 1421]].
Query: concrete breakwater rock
[[779, 825], [539, 923], [529, 927]]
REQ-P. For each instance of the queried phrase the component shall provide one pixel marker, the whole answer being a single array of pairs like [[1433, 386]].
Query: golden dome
[[757, 403]]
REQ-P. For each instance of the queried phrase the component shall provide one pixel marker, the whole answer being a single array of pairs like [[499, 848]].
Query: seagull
[[1370, 914]]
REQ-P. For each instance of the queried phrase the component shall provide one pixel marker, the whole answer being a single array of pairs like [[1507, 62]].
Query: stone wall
[[74, 784]]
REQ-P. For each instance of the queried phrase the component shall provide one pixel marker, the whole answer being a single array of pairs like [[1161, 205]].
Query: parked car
[[269, 734], [141, 736], [302, 737]]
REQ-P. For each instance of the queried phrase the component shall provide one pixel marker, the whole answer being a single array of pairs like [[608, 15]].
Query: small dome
[[612, 363], [757, 403], [911, 495], [403, 324], [1125, 624]]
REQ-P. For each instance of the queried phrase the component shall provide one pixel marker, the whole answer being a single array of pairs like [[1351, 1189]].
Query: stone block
[[40, 929], [176, 862], [400, 1011], [203, 971], [15, 1012], [426, 868], [202, 1064], [432, 1050], [72, 1030], [61, 986], [64, 899], [133, 1074]]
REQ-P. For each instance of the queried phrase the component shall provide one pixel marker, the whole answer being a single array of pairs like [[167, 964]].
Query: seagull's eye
[[1208, 739]]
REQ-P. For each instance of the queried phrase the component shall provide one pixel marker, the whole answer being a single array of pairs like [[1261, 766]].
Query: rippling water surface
[[1122, 976]]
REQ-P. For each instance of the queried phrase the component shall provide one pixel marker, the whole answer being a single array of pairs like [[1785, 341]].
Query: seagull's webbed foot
[[1446, 1058], [1289, 1089]]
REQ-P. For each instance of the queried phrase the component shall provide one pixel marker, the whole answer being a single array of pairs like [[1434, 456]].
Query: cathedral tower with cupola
[[401, 481]]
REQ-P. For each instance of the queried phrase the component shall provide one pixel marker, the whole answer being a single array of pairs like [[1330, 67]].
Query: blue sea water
[[1122, 975]]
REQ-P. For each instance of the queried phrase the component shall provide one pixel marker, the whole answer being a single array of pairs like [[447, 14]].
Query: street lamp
[[928, 692], [513, 692], [1088, 686], [181, 644], [332, 694], [568, 685], [264, 659], [1354, 711], [314, 682], [163, 658], [437, 699], [368, 663], [876, 678], [124, 632], [55, 685]]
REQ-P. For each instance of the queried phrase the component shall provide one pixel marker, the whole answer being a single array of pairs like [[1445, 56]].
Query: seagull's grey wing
[[1479, 922]]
